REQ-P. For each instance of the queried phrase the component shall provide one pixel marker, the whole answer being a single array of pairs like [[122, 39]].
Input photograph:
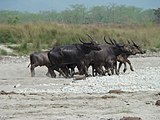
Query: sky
[[60, 5]]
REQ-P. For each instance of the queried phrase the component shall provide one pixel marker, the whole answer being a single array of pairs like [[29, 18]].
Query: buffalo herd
[[103, 58]]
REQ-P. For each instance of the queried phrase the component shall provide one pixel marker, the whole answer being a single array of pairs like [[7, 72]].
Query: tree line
[[79, 14]]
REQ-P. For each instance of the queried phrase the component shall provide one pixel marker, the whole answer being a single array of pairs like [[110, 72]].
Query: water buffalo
[[123, 58], [107, 57], [39, 59], [72, 54], [68, 70]]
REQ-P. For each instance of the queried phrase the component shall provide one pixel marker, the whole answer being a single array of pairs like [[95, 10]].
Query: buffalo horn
[[111, 40], [90, 37], [81, 41], [106, 41], [114, 41], [128, 42], [133, 42]]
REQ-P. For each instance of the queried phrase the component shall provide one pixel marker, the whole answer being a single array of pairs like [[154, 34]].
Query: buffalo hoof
[[48, 75], [124, 70], [32, 73], [112, 71], [89, 75], [53, 76], [109, 74], [117, 73]]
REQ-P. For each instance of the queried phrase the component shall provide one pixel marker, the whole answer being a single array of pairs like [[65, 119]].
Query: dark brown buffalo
[[72, 54], [40, 59], [123, 58], [107, 57]]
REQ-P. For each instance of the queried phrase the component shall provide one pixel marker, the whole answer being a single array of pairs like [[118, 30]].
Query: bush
[[3, 52]]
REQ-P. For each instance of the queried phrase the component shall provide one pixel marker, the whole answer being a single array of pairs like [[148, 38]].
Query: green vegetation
[[79, 14], [3, 52], [32, 37], [44, 30]]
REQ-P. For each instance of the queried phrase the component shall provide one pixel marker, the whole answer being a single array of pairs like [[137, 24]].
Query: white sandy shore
[[47, 98]]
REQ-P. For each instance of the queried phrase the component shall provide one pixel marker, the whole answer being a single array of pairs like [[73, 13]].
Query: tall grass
[[37, 36]]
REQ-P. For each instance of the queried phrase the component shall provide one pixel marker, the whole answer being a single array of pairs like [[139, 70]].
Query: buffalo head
[[135, 48], [120, 47], [93, 45]]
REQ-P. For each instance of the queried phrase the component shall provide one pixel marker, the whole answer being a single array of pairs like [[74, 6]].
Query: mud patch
[[7, 93], [131, 118]]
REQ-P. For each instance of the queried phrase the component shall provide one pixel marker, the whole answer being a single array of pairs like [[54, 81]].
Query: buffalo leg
[[93, 68], [51, 71], [109, 66], [125, 67], [72, 72], [86, 71], [130, 65], [48, 74], [65, 70], [95, 71], [82, 71], [101, 70], [81, 68], [61, 72], [110, 71], [115, 67], [32, 70], [120, 64]]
